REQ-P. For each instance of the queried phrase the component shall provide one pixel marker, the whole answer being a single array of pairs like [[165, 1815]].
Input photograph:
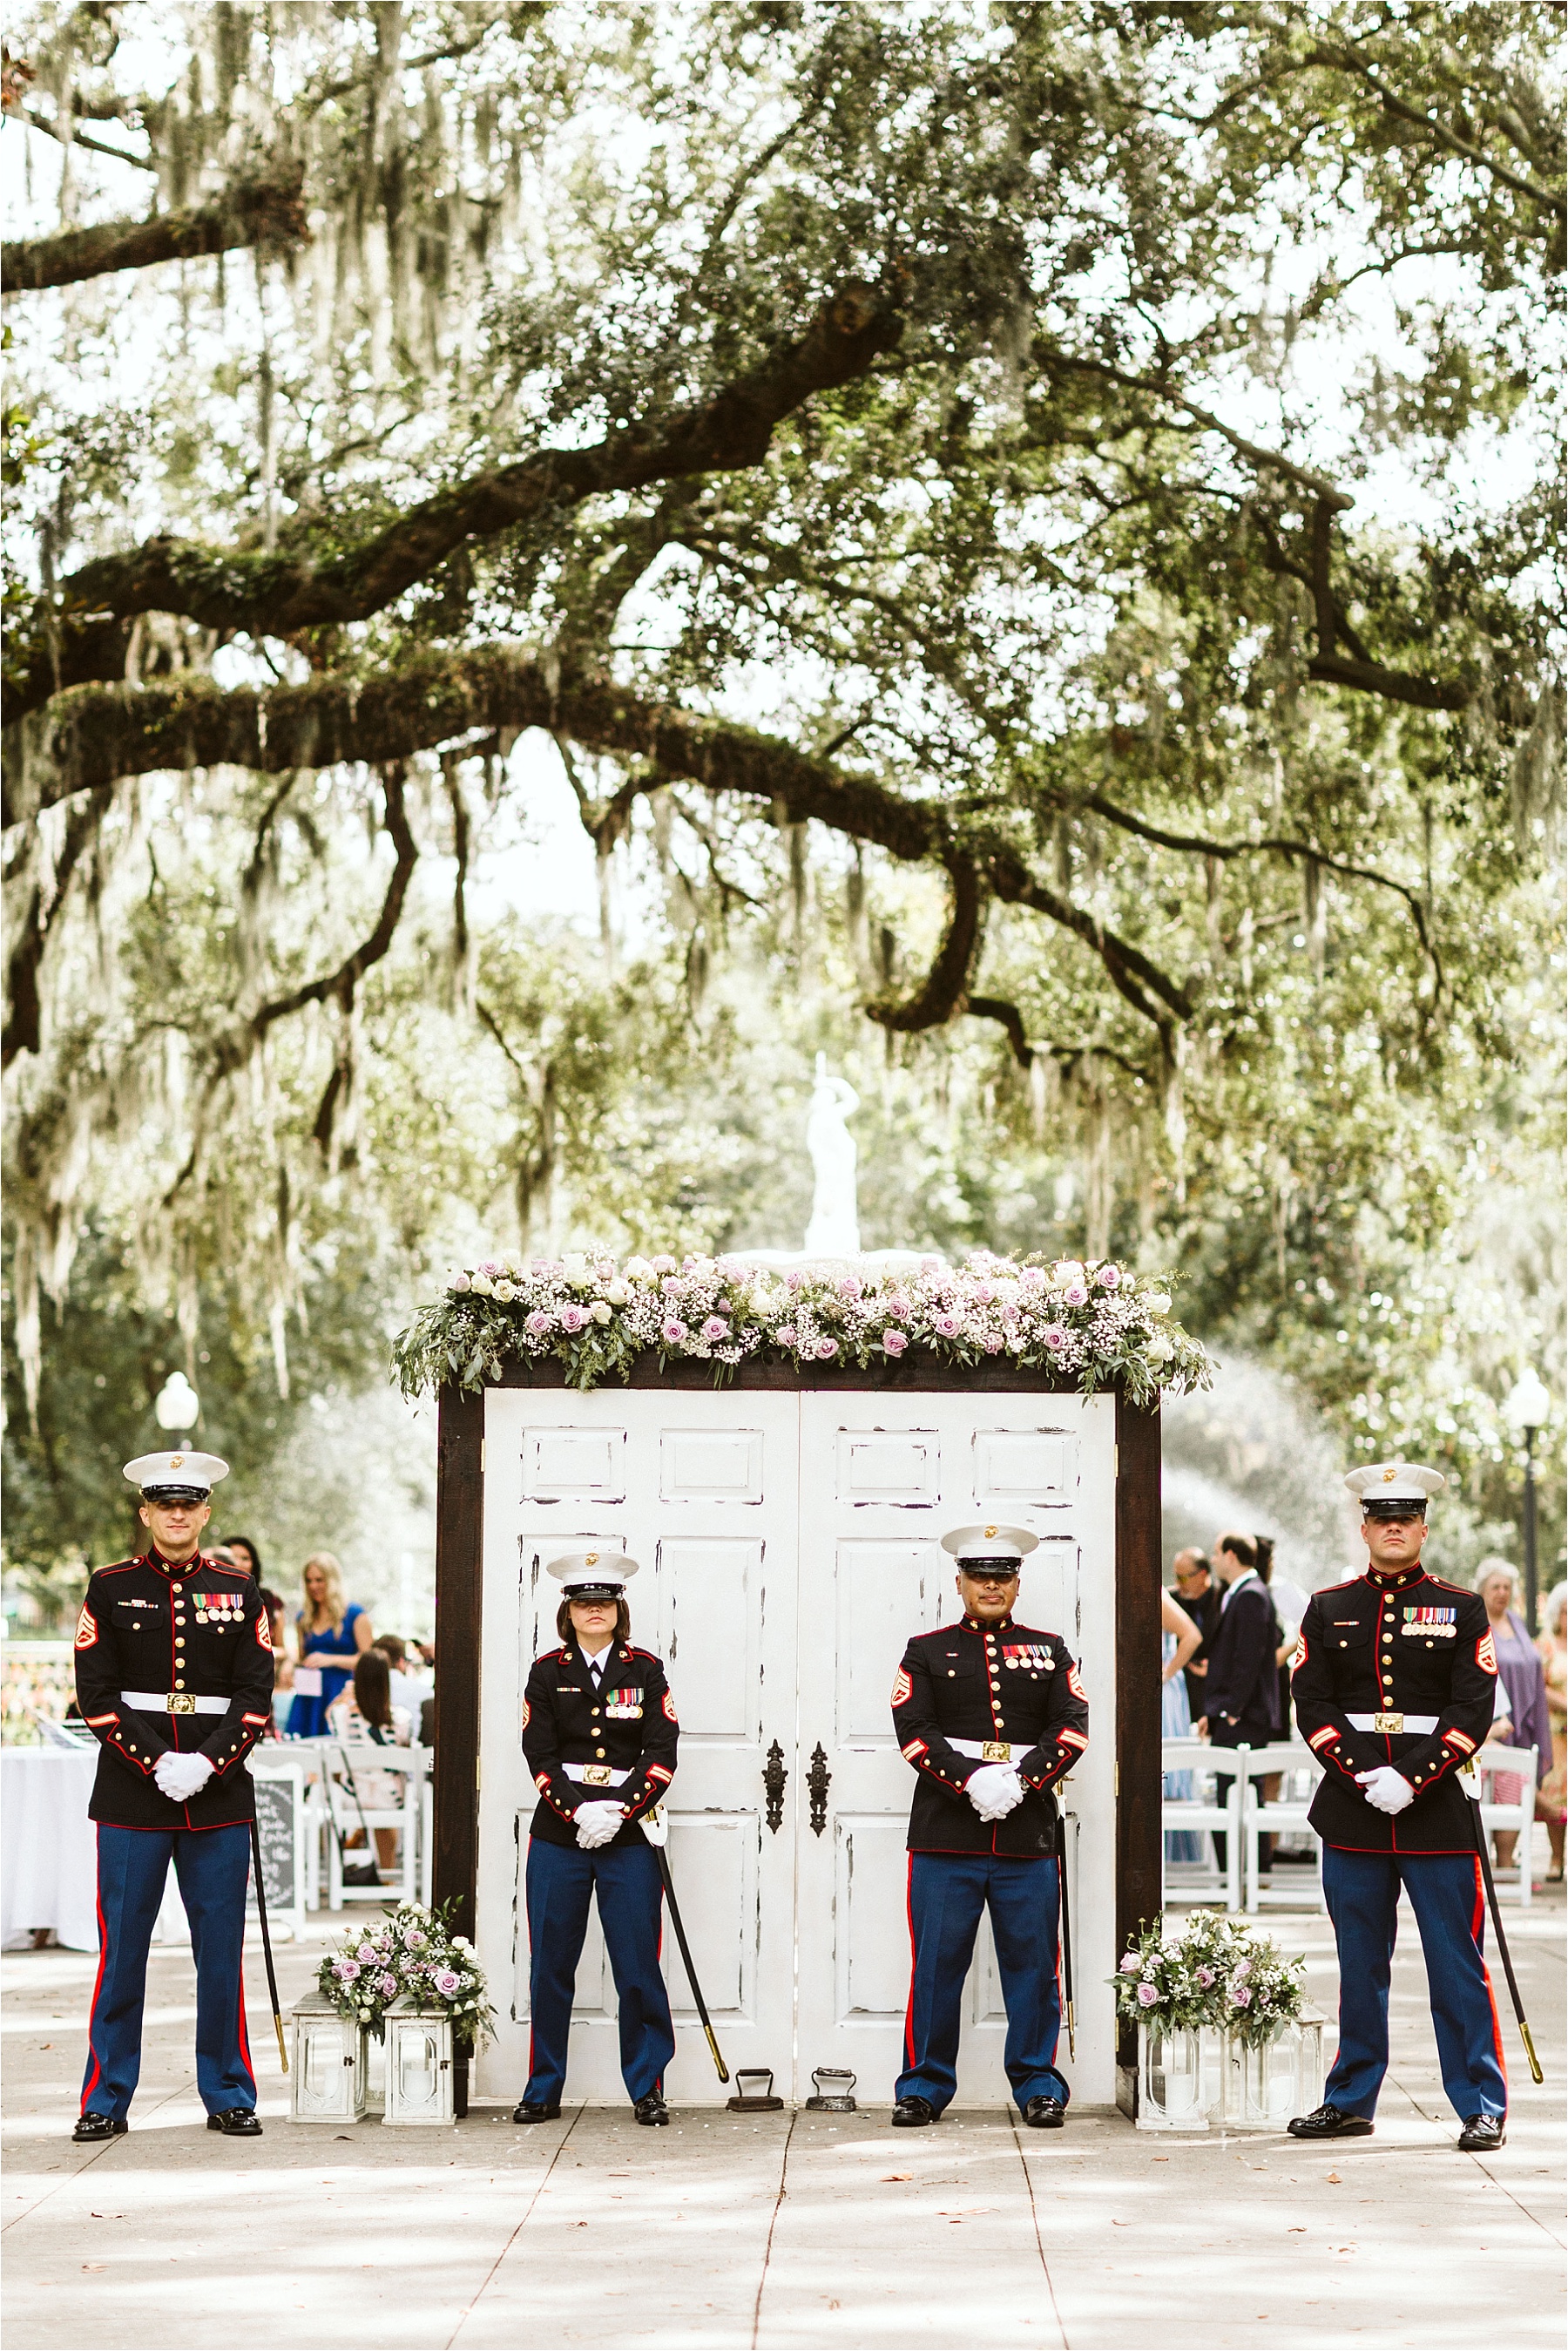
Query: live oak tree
[[1034, 521]]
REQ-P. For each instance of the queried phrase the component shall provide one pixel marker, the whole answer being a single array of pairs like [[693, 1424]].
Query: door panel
[[703, 1492], [874, 1571]]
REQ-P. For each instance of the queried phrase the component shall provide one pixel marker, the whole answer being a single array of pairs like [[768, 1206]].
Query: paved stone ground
[[803, 2230]]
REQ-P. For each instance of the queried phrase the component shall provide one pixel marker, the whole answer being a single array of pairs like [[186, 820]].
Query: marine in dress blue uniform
[[991, 1714], [599, 1734], [174, 1676], [1393, 1690]]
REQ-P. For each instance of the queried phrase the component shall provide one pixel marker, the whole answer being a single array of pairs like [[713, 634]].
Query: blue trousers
[[1449, 1902], [626, 1881], [212, 1867], [948, 1891]]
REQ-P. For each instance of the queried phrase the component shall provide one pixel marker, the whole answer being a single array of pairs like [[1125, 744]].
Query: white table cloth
[[48, 1852]]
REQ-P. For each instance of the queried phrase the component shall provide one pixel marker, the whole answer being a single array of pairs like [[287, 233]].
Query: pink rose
[[714, 1329], [1243, 1968], [673, 1331], [1242, 1996], [991, 1342], [1146, 1995], [346, 1970], [672, 1288], [1205, 1977], [664, 1265], [849, 1288], [826, 1347], [946, 1325], [793, 1280], [573, 1318], [899, 1307], [366, 1952], [1054, 1335], [448, 1981], [786, 1336], [538, 1324], [1075, 1294], [894, 1342], [1107, 1276], [1129, 1965]]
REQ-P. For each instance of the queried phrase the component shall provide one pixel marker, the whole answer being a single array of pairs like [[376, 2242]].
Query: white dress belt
[[993, 1750], [595, 1776], [171, 1702], [1391, 1725]]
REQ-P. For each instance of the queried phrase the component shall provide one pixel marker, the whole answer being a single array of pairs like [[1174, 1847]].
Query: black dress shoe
[[1330, 2122], [533, 2110], [1482, 2133], [235, 2122], [914, 2114], [1045, 2114], [92, 2127], [651, 2110]]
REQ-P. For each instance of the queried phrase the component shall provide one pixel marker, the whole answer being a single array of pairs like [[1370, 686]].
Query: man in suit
[[1198, 1595], [1242, 1700]]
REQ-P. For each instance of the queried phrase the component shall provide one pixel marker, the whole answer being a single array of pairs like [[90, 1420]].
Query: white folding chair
[[1493, 1763], [348, 1814], [1285, 1815], [1203, 1814]]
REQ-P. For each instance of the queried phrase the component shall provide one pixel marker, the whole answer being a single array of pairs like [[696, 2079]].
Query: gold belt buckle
[[595, 1776], [997, 1751], [182, 1702], [1394, 1723]]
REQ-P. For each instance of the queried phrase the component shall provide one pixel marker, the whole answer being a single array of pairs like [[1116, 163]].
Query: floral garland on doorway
[[1092, 1324]]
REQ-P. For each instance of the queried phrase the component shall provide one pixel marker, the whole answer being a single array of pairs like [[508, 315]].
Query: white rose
[[1065, 1272], [574, 1267], [505, 1291], [600, 1311], [638, 1268], [617, 1293], [1157, 1301], [482, 1286], [1157, 1351]]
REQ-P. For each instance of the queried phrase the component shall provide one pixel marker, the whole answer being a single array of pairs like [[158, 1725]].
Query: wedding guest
[[1242, 1702], [1179, 1637], [282, 1663], [243, 1550], [409, 1690], [332, 1633], [362, 1717], [1199, 1597], [1554, 1648], [1518, 1667]]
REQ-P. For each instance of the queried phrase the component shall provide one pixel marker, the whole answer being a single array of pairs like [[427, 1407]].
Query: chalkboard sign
[[281, 1827]]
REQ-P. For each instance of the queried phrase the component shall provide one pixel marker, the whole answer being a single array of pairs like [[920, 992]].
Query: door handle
[[818, 1781], [774, 1777]]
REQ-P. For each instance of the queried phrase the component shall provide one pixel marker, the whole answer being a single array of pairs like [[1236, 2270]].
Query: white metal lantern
[[328, 2074], [419, 2065]]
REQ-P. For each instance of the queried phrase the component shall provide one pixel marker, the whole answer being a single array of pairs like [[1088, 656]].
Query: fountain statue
[[835, 1227]]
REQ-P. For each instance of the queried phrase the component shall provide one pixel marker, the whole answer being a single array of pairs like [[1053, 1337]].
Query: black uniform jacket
[[1000, 1684], [199, 1630], [1242, 1680], [1388, 1646], [628, 1724]]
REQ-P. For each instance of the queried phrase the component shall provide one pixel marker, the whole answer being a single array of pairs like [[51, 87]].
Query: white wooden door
[[880, 1484], [702, 1488]]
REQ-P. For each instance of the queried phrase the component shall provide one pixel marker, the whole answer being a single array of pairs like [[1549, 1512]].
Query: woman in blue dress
[[332, 1633], [1179, 1637]]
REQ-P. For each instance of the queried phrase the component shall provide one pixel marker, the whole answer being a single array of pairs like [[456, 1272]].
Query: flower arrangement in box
[[1090, 1323], [1209, 1970], [412, 1954]]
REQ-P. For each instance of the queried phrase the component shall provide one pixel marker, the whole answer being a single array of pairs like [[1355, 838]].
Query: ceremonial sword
[[267, 1942], [655, 1829], [1066, 1929], [1535, 2073]]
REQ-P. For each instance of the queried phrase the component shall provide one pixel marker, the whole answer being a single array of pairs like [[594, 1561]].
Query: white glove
[[1388, 1790], [597, 1823], [993, 1791], [180, 1776]]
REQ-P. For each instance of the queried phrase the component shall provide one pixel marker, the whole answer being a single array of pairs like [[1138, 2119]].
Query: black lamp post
[[1525, 1411]]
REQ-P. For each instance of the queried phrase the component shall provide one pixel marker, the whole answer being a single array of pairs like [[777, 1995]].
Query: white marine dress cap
[[1394, 1483], [160, 1474], [989, 1542], [600, 1573]]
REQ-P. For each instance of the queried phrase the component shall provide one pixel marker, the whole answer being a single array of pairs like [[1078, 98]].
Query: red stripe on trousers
[[1476, 1925], [910, 2011], [245, 2036], [94, 2076]]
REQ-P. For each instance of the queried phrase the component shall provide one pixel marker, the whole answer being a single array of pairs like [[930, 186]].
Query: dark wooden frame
[[460, 1548]]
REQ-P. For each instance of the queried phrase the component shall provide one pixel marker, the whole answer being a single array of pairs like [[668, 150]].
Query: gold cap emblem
[[1389, 1475], [176, 1461], [590, 1559], [989, 1533]]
